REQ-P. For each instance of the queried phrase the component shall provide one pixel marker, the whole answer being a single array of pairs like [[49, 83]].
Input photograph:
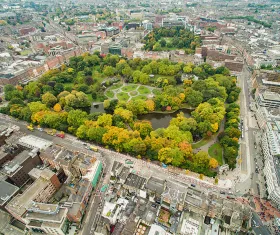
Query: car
[[154, 205], [222, 192], [193, 185]]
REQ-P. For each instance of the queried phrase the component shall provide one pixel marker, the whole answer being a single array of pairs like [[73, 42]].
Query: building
[[6, 227], [17, 169], [155, 187], [134, 183], [271, 153], [47, 218], [40, 191], [6, 193], [268, 99], [32, 142], [235, 65]]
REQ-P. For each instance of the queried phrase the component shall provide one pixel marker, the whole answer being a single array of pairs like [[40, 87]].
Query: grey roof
[[7, 191], [156, 185], [135, 181]]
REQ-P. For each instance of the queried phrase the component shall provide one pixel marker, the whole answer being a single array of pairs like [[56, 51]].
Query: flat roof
[[135, 181], [271, 96], [51, 152], [12, 166], [32, 141], [7, 191], [156, 184], [21, 202], [46, 212], [5, 226]]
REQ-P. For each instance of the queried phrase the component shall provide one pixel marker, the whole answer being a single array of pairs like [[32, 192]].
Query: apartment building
[[268, 99], [271, 152], [47, 218], [41, 190], [17, 169]]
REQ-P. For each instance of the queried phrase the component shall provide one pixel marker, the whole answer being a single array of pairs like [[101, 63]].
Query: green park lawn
[[139, 97], [109, 94], [156, 91], [200, 143], [216, 151], [122, 96], [129, 88], [143, 90], [115, 86], [133, 93]]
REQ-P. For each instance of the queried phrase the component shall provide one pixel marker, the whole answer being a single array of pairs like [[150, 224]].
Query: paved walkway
[[119, 90]]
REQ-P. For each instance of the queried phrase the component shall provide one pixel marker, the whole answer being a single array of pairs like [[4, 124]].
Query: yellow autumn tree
[[57, 107], [182, 96], [150, 105], [213, 163], [214, 127]]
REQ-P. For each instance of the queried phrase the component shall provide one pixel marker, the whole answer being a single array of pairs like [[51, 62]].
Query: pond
[[161, 120]]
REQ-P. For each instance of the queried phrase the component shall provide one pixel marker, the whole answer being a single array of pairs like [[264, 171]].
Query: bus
[[93, 148]]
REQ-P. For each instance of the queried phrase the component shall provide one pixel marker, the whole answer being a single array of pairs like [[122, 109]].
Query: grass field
[[133, 93], [110, 94], [156, 91], [129, 88], [139, 97], [216, 151], [115, 86], [144, 90], [123, 96], [200, 143]]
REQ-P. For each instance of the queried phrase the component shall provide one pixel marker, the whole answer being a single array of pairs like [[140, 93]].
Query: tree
[[105, 120], [213, 163], [193, 97], [186, 149], [96, 133], [76, 118], [144, 127], [124, 113], [150, 105], [137, 107], [109, 71], [162, 43], [37, 106], [135, 146], [49, 99], [88, 80], [187, 69], [57, 107], [200, 161], [77, 100], [144, 78]]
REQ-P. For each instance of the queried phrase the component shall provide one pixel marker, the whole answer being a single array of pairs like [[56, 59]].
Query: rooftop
[[21, 202], [45, 212], [51, 152], [12, 166], [7, 191], [271, 96], [156, 185], [32, 141], [135, 181]]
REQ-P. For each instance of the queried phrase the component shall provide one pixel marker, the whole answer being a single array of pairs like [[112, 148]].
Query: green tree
[[76, 118], [105, 120], [49, 99]]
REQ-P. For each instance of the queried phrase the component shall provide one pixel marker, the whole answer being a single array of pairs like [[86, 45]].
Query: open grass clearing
[[133, 93], [123, 96], [216, 151], [156, 91], [200, 143], [143, 90], [115, 86], [109, 94], [129, 88], [139, 97]]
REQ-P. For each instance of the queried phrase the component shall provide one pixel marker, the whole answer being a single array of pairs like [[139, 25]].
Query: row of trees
[[229, 138]]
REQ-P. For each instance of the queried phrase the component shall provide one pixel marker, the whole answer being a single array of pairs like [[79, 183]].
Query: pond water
[[158, 120], [161, 120]]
